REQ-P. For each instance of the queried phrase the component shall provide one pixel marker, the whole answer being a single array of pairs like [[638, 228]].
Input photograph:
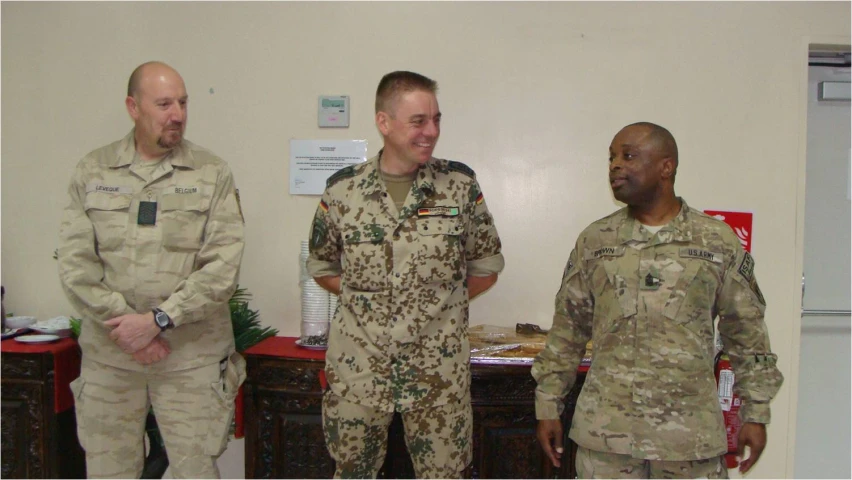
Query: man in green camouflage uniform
[[406, 240], [645, 284], [150, 249]]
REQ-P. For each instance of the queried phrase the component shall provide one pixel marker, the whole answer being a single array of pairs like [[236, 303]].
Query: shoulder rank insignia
[[461, 168], [340, 175]]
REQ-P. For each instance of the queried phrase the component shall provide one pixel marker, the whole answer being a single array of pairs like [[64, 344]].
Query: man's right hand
[[549, 434], [155, 351]]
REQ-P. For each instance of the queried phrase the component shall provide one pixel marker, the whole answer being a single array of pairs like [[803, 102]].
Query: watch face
[[162, 319]]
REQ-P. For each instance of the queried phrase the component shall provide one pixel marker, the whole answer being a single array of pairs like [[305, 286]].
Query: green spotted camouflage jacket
[[399, 339], [185, 260], [649, 303]]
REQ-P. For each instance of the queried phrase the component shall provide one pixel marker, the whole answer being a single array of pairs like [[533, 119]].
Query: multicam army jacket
[[399, 339], [182, 256], [649, 302]]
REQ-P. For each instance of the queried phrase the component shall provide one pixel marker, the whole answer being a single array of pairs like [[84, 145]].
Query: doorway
[[823, 415]]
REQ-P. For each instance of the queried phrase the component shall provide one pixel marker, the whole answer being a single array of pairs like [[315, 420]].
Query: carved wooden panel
[[302, 447], [23, 431], [284, 437], [22, 367], [295, 376], [505, 444]]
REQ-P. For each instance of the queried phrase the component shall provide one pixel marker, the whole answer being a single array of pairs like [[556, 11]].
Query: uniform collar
[[424, 181], [180, 156], [677, 230]]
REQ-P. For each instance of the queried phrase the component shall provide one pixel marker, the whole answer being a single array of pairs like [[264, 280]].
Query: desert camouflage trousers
[[439, 439], [592, 464], [194, 409]]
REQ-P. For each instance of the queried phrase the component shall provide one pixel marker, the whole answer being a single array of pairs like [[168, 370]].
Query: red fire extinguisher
[[730, 403]]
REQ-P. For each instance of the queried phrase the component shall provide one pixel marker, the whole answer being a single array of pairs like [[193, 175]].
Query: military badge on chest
[[147, 213], [438, 212], [651, 280]]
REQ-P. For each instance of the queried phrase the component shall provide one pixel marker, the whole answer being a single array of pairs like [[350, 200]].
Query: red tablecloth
[[277, 347], [66, 366]]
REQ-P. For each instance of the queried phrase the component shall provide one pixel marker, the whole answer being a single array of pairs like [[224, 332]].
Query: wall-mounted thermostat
[[334, 111]]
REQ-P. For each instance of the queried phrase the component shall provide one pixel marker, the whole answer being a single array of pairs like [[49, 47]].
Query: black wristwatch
[[162, 320]]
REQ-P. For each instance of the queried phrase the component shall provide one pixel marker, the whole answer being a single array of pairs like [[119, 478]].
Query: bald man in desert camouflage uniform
[[406, 240], [645, 284], [150, 249]]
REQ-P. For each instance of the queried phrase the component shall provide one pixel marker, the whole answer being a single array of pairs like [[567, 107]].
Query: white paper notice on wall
[[313, 161]]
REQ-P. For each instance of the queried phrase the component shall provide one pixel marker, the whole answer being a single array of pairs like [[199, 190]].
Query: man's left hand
[[133, 331], [752, 435]]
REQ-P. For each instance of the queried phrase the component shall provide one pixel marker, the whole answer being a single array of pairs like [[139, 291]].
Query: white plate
[[37, 338], [59, 332], [309, 347]]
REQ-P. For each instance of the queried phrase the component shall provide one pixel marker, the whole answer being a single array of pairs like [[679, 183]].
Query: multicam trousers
[[439, 439], [592, 464]]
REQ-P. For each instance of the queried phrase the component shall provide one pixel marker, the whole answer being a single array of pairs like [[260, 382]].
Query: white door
[[823, 419]]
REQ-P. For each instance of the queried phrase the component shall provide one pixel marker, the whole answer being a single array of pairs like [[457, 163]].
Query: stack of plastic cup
[[315, 305]]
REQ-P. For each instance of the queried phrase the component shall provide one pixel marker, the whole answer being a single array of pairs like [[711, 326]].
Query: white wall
[[532, 94]]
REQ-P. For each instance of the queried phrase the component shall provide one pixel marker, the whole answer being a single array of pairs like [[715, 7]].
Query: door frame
[[807, 43]]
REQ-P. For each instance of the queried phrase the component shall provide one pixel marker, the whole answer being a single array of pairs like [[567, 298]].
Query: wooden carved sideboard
[[37, 442], [284, 438]]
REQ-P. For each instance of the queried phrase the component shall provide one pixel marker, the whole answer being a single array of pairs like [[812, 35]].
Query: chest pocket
[[692, 300], [183, 218], [109, 214], [614, 298], [365, 258], [439, 253]]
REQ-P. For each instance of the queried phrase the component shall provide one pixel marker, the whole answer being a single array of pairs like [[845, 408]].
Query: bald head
[[157, 102], [660, 137], [147, 70]]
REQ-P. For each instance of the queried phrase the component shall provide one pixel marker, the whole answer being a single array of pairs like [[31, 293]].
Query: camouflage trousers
[[439, 439], [593, 464], [194, 409]]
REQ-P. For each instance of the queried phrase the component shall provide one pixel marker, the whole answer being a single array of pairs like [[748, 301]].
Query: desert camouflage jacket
[[399, 339], [181, 254]]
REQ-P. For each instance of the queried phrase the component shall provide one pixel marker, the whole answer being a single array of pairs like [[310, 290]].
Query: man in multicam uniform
[[150, 249], [406, 240], [645, 284]]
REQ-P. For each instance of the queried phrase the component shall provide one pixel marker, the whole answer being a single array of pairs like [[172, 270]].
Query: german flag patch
[[323, 206], [479, 198]]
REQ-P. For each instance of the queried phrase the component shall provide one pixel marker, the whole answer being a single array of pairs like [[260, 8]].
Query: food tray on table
[[491, 344]]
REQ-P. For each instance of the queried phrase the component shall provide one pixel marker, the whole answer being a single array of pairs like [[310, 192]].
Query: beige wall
[[532, 94]]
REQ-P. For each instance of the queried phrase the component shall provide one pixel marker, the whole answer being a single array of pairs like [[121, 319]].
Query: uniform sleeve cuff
[[321, 268], [755, 413], [484, 267], [547, 407]]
